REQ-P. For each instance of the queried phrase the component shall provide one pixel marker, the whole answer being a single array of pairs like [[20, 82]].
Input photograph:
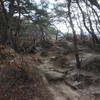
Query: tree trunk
[[78, 63], [57, 35], [4, 24]]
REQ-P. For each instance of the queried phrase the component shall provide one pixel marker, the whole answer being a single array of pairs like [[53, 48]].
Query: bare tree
[[78, 64], [91, 31]]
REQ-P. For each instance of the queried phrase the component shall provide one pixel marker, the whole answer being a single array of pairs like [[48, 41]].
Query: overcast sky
[[61, 26]]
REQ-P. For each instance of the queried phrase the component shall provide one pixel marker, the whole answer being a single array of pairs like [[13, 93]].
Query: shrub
[[46, 44], [44, 53], [97, 48], [92, 64]]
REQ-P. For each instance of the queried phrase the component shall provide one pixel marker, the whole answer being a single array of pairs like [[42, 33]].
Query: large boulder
[[54, 76], [51, 74]]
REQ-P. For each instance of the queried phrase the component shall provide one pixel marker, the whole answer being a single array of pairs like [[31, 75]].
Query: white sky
[[61, 26]]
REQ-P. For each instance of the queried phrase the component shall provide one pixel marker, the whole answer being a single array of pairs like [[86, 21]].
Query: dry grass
[[23, 84], [19, 80], [7, 51]]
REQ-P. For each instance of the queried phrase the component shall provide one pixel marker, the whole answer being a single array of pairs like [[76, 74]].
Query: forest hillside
[[39, 60]]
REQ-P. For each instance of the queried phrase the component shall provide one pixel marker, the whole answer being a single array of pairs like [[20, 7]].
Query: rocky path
[[57, 86], [63, 92]]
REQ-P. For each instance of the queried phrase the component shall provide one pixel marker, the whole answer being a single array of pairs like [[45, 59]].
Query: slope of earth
[[55, 77]]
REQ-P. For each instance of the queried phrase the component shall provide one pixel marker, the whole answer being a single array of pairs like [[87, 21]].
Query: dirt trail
[[59, 90], [63, 92]]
